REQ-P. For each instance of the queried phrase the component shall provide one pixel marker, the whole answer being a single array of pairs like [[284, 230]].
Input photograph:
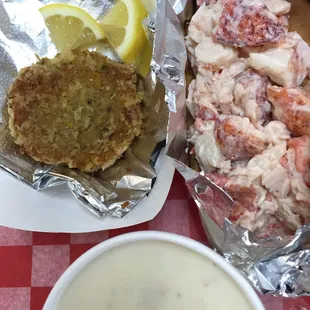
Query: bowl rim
[[86, 258]]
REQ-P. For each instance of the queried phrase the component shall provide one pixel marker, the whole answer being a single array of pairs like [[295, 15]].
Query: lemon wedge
[[123, 28], [150, 5], [70, 26], [143, 61]]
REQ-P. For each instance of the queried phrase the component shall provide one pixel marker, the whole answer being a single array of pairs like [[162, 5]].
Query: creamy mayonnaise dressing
[[152, 275]]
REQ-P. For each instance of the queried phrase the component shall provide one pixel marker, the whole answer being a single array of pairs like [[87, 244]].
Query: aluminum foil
[[275, 265], [23, 39]]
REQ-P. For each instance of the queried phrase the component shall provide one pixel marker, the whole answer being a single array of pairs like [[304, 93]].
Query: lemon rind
[[136, 13]]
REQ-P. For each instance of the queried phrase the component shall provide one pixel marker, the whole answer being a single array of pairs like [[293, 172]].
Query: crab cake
[[80, 109]]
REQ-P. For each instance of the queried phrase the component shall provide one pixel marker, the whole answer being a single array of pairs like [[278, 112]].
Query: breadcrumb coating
[[80, 109]]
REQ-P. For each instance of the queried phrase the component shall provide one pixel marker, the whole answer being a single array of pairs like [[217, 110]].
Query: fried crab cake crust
[[80, 109]]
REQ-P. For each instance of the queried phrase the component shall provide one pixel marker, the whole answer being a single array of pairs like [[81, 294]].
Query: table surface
[[32, 262]]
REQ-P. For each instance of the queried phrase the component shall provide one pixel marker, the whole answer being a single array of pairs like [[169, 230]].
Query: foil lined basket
[[275, 266], [115, 191]]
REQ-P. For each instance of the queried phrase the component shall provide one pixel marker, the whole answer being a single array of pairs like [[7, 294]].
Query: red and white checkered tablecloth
[[31, 262]]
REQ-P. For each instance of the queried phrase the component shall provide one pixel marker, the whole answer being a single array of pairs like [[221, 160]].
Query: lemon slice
[[143, 61], [70, 26], [150, 5], [123, 28]]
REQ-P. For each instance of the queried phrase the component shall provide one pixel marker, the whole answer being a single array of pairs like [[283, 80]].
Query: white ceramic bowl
[[85, 259]]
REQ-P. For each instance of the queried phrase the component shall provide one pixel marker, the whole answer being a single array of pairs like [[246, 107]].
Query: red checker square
[[125, 230], [300, 303], [271, 302], [196, 230], [76, 250], [306, 299], [50, 238], [48, 263], [15, 266], [178, 189], [38, 297], [173, 217], [93, 237], [10, 236], [15, 298]]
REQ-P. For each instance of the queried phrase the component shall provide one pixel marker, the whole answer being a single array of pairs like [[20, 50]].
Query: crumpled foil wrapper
[[275, 266], [115, 191]]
